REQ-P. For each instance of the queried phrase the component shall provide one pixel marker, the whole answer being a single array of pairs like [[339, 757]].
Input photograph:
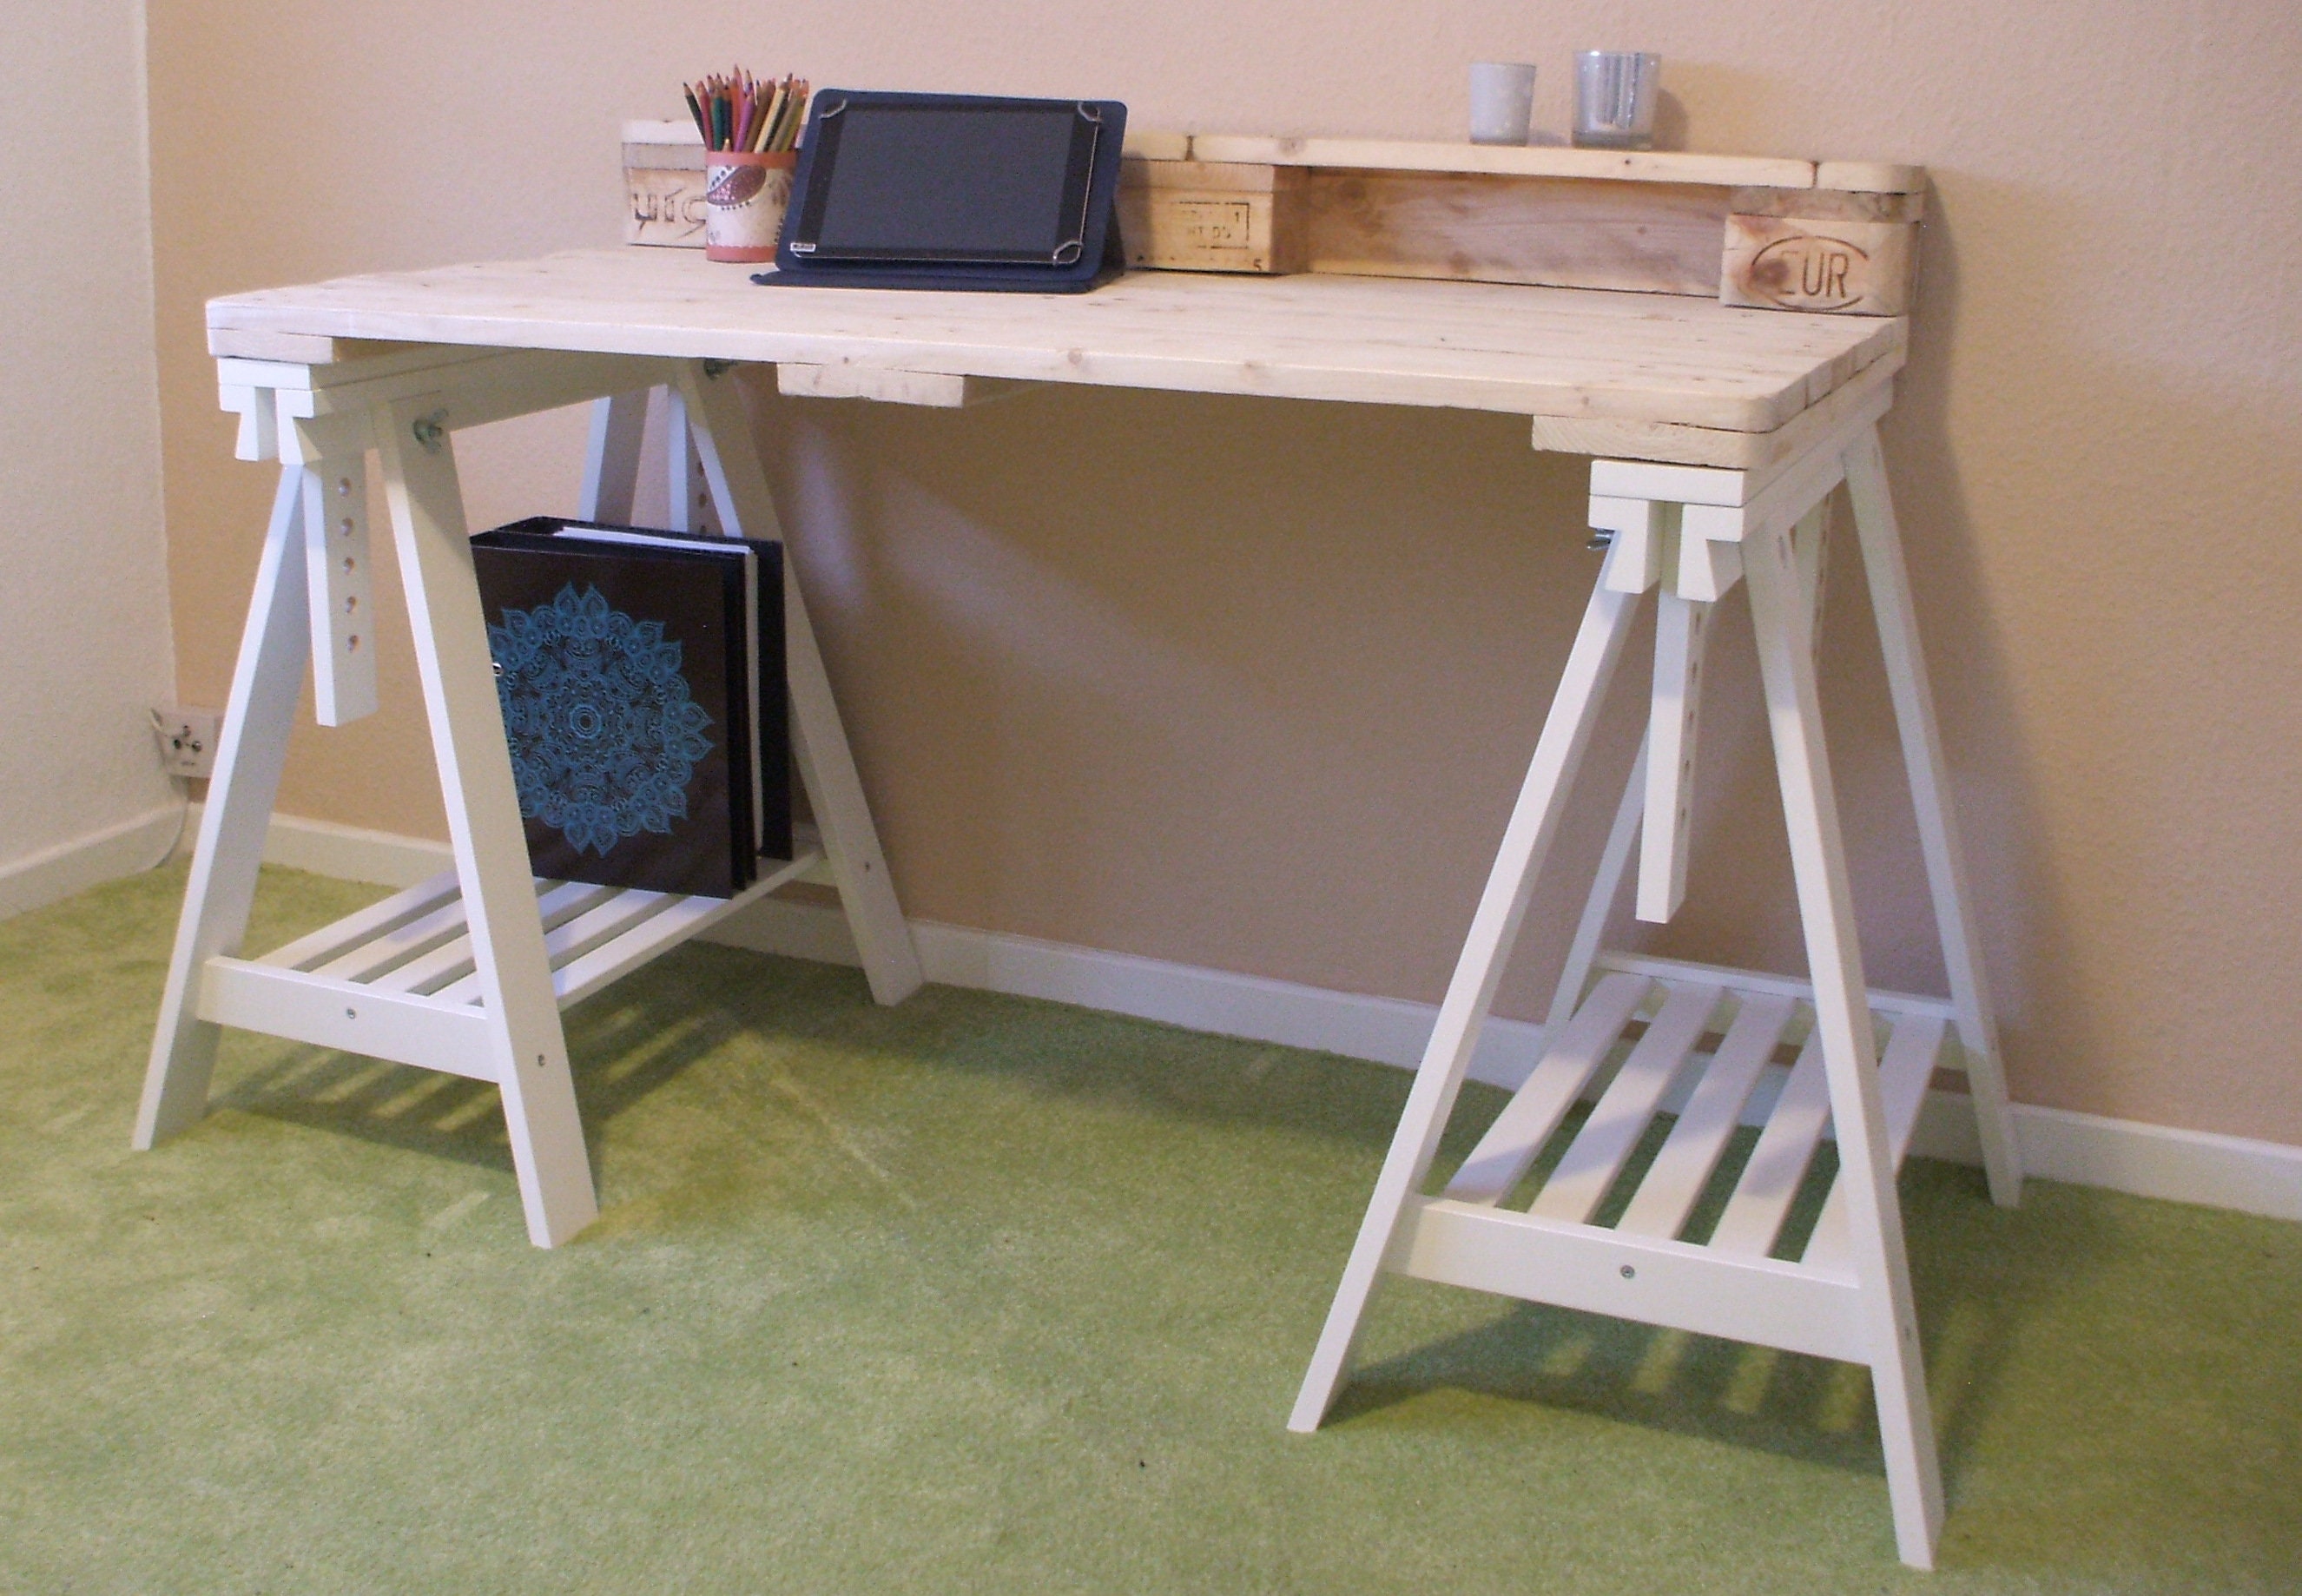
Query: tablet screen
[[919, 179]]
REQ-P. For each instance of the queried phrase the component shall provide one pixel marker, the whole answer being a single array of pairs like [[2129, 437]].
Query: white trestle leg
[[466, 973], [1675, 1056]]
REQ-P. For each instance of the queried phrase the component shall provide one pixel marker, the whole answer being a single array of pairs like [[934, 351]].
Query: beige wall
[[84, 651], [1250, 684]]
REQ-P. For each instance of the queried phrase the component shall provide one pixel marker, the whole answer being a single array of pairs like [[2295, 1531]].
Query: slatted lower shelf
[[1694, 1051], [399, 979]]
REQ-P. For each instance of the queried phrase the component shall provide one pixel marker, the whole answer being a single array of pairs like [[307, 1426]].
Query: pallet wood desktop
[[1718, 435]]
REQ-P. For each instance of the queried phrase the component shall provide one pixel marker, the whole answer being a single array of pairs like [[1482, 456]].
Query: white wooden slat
[[1595, 1157], [1905, 1071], [603, 921], [374, 920], [1673, 1182], [373, 957], [1762, 1197], [1535, 1111], [578, 977], [1657, 1282], [304, 1007], [557, 902], [1747, 981]]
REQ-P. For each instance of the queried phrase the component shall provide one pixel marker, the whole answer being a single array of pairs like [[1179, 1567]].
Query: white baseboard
[[2184, 1166], [58, 872], [348, 852]]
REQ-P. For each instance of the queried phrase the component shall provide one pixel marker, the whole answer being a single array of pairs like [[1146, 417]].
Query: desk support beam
[[721, 430], [251, 754], [528, 1049]]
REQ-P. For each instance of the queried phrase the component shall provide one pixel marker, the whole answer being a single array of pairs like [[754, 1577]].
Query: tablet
[[952, 191]]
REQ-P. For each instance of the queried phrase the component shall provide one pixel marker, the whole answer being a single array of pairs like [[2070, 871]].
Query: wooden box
[[663, 183], [1213, 215]]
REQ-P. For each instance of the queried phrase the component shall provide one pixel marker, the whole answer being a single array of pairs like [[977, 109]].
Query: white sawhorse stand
[[1710, 1032], [467, 972]]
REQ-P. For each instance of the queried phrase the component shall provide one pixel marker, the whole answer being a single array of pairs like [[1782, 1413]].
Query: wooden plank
[[936, 391], [1871, 176], [1675, 1180], [1846, 268], [327, 1014], [1643, 1278], [1645, 238], [1156, 144], [1757, 457], [1653, 166], [1531, 351], [1535, 1110], [1905, 1069], [1595, 1157], [1762, 1197], [297, 349], [1827, 205], [376, 919]]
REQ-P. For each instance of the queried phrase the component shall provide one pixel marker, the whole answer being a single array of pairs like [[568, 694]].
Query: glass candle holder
[[1614, 93]]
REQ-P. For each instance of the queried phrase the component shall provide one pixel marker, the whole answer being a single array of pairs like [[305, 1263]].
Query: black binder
[[642, 679], [953, 191]]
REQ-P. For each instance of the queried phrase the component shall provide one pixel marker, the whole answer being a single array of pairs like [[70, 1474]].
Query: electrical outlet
[[188, 739]]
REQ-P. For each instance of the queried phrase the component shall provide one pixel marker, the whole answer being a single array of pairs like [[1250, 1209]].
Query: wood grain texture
[[1827, 205], [1848, 268], [1565, 233], [1651, 166], [1526, 350], [1213, 216]]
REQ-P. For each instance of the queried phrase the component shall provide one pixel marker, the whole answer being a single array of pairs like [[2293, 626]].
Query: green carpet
[[981, 1294]]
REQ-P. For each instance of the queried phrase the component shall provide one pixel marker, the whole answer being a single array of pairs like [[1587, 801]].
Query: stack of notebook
[[642, 679]]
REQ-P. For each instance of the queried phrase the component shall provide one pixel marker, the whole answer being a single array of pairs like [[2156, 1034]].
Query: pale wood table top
[[1652, 375]]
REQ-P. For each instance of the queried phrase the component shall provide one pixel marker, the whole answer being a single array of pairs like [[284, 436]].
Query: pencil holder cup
[[743, 201]]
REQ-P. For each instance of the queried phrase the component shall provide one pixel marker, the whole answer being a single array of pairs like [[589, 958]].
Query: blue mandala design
[[604, 733]]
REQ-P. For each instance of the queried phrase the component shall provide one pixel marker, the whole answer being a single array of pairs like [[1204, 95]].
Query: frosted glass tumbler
[[1615, 95], [1503, 102]]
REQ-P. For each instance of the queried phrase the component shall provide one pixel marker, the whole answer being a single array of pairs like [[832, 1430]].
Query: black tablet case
[[625, 676], [1102, 258]]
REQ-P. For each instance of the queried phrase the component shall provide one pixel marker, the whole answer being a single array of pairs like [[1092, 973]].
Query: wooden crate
[[663, 184], [1764, 232]]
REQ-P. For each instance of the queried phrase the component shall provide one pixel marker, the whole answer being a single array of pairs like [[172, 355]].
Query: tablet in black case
[[953, 191]]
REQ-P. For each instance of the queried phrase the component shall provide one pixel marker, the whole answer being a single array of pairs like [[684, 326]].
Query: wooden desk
[[1721, 434]]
